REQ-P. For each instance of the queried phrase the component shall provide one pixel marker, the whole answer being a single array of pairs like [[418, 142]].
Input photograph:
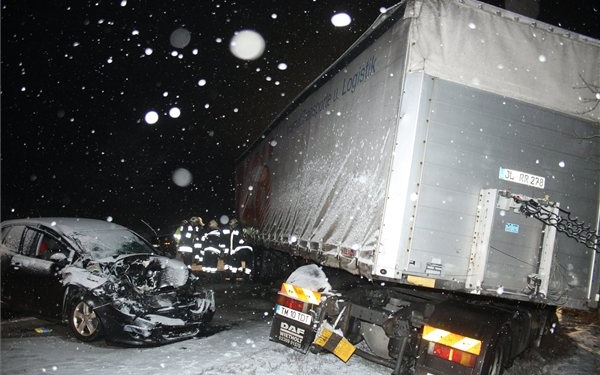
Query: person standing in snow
[[212, 248], [189, 241], [177, 234], [239, 255]]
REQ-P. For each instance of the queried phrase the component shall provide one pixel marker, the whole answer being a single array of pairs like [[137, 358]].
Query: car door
[[35, 273], [10, 246]]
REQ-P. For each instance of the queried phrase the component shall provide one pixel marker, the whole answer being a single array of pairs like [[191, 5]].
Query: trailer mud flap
[[291, 333]]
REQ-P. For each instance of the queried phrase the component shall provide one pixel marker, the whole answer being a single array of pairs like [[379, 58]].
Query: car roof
[[67, 225]]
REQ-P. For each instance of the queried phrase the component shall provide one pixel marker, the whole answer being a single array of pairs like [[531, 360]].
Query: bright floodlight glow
[[282, 66], [224, 219], [202, 82], [247, 45], [341, 19], [180, 38], [182, 177], [151, 117], [148, 51], [174, 112]]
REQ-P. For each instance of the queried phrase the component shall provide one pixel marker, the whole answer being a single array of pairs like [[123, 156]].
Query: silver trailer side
[[452, 156], [379, 166]]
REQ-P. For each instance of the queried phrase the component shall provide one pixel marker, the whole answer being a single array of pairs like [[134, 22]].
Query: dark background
[[76, 85]]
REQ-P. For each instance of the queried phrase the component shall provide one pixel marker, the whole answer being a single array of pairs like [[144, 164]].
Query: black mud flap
[[291, 333]]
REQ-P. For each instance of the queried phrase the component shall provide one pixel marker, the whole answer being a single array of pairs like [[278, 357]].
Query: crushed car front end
[[153, 324], [143, 300]]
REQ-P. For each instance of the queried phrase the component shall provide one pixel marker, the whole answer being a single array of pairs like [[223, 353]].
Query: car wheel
[[84, 322]]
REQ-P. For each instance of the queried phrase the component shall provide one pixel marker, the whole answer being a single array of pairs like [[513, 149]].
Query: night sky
[[79, 77]]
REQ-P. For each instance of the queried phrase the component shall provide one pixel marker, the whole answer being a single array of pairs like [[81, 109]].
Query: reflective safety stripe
[[185, 249], [421, 281], [301, 294], [335, 343], [453, 340]]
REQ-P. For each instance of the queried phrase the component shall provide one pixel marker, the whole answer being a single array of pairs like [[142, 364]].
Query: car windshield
[[111, 243]]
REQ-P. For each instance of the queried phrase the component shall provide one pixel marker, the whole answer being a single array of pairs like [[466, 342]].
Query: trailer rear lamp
[[450, 354], [453, 340], [291, 303]]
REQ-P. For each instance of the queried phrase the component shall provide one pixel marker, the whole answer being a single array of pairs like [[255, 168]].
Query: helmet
[[196, 220], [233, 222], [213, 224]]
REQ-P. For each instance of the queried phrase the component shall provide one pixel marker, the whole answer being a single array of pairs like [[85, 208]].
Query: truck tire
[[84, 324], [496, 357]]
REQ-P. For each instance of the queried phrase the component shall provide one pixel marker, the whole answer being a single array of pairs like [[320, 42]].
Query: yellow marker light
[[300, 294]]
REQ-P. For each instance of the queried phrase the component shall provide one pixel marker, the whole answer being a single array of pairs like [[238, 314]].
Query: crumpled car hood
[[142, 272], [149, 273], [141, 285]]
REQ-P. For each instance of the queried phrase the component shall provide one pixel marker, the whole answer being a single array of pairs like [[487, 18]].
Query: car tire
[[83, 321], [208, 317]]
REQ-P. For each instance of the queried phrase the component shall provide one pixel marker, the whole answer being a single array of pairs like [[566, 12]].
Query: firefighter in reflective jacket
[[238, 254], [189, 241], [212, 248], [177, 234]]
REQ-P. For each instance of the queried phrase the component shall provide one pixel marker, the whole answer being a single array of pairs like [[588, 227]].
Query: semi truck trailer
[[449, 163]]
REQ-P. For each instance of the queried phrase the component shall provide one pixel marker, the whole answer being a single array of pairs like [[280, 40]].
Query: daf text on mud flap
[[291, 334]]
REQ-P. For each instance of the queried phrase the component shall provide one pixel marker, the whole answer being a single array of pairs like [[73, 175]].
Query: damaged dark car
[[102, 280]]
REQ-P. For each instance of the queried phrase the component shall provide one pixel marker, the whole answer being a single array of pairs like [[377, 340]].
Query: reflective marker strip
[[335, 343], [466, 344], [301, 294], [421, 281]]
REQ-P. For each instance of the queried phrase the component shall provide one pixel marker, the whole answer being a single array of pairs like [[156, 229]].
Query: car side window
[[11, 236], [30, 242], [49, 248]]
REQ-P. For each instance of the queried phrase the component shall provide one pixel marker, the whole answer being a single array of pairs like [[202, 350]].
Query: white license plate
[[522, 178], [293, 314]]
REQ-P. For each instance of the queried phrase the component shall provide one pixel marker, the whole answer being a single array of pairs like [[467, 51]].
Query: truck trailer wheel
[[496, 356]]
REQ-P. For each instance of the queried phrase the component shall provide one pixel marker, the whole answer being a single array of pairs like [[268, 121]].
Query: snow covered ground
[[239, 344]]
